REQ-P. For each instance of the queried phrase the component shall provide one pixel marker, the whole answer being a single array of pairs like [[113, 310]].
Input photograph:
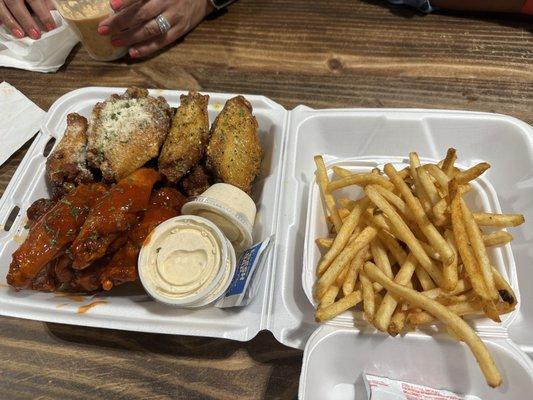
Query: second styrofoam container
[[335, 360]]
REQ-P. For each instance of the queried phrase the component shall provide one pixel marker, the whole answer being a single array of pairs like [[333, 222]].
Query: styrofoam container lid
[[223, 284], [335, 360], [228, 207]]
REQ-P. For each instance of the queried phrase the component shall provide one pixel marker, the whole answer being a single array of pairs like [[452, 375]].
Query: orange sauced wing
[[114, 214], [164, 204], [51, 233]]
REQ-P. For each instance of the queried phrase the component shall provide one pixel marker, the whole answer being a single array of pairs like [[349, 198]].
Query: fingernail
[[134, 53], [115, 4], [103, 30], [35, 34], [49, 26], [117, 42], [17, 33]]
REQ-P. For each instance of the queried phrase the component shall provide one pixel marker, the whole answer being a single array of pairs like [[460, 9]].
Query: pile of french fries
[[412, 252]]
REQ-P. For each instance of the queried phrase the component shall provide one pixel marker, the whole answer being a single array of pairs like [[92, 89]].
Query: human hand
[[133, 24], [16, 17]]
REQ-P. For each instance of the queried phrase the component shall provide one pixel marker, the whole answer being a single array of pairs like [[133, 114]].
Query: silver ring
[[163, 24]]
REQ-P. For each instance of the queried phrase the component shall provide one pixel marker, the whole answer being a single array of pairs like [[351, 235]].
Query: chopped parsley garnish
[[158, 250], [65, 201], [93, 236], [74, 211]]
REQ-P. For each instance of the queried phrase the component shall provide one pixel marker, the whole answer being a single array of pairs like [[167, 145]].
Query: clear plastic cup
[[83, 16]]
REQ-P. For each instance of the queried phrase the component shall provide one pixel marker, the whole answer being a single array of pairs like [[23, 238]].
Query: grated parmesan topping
[[121, 117]]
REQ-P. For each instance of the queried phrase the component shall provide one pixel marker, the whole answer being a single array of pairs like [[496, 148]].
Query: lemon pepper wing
[[185, 144], [234, 151]]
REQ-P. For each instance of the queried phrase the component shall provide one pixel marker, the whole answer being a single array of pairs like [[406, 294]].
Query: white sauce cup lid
[[228, 207], [183, 260]]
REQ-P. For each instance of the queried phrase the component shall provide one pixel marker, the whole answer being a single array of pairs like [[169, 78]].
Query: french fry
[[440, 176], [359, 180], [343, 236], [368, 297], [383, 316], [450, 272], [414, 163], [397, 321], [380, 257], [466, 176], [430, 251], [451, 320], [341, 172], [425, 280], [322, 180], [440, 215], [435, 238], [505, 290], [330, 296], [347, 203], [499, 220], [343, 213], [407, 236], [465, 250], [396, 201], [356, 265], [462, 286], [404, 173], [480, 252], [448, 162], [324, 243], [393, 246], [498, 238], [345, 256], [461, 308], [428, 186], [338, 307]]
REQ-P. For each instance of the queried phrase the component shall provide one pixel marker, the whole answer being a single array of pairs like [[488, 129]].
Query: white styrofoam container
[[290, 140], [335, 360], [481, 198]]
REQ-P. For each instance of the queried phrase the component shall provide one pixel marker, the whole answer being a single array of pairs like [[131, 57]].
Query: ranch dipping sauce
[[84, 16], [186, 261]]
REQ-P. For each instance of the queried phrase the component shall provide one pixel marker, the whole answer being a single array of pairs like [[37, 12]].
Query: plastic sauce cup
[[187, 262], [83, 16], [229, 208]]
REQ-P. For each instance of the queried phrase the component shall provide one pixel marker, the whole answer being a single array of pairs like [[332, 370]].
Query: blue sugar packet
[[243, 286]]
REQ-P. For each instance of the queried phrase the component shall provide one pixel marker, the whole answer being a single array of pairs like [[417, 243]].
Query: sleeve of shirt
[[422, 5]]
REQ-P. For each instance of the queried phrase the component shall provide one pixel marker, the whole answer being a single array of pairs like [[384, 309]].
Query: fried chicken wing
[[197, 181], [66, 166], [113, 214], [234, 151], [57, 229], [185, 144], [164, 204], [37, 210], [126, 131]]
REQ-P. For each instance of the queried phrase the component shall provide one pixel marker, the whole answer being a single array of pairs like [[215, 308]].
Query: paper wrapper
[[20, 117], [46, 54]]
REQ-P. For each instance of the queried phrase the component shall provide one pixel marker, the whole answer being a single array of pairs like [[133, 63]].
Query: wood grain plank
[[324, 53]]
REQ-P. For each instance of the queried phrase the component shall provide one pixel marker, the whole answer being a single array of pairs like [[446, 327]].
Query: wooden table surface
[[322, 53]]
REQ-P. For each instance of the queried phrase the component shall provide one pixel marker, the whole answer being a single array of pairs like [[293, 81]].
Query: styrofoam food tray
[[482, 198], [130, 308], [290, 140], [335, 360]]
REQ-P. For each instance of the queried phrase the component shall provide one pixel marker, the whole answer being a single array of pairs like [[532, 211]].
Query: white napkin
[[46, 54], [20, 117]]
